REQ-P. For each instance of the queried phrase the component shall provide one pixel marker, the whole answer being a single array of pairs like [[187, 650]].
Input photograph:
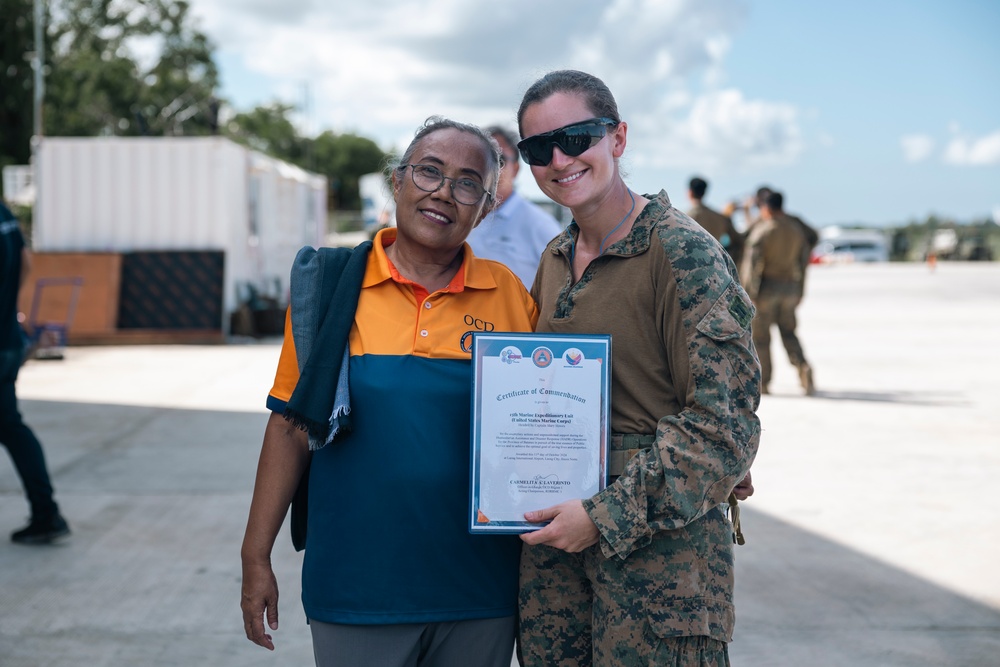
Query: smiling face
[[581, 181], [436, 221]]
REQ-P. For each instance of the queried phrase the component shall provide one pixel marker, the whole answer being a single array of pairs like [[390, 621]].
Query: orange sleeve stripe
[[287, 375]]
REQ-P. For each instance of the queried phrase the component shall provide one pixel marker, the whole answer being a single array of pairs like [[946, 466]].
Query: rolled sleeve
[[618, 517]]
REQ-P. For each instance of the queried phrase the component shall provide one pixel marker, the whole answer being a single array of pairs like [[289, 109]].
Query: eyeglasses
[[572, 140], [507, 159], [430, 179]]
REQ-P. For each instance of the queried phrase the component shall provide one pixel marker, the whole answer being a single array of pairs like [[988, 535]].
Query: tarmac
[[873, 538]]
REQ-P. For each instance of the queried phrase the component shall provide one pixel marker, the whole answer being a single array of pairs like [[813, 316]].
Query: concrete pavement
[[872, 539]]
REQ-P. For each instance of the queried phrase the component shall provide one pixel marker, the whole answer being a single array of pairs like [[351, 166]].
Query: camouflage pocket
[[701, 650], [728, 324], [730, 315], [693, 617]]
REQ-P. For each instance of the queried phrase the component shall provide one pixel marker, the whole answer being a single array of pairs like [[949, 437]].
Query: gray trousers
[[487, 642]]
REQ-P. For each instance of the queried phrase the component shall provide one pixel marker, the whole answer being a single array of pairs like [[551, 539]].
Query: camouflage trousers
[[776, 309], [573, 613]]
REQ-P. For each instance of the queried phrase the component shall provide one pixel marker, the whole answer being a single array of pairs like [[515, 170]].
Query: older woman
[[391, 576], [642, 572]]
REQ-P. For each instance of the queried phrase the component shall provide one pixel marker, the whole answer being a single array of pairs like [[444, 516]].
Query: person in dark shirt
[[46, 523]]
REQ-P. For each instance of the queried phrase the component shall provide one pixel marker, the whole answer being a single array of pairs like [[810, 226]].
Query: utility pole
[[38, 63]]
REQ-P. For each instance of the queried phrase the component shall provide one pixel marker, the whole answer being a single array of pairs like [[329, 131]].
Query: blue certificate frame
[[541, 411]]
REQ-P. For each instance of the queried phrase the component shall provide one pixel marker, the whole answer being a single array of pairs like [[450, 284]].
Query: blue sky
[[878, 112]]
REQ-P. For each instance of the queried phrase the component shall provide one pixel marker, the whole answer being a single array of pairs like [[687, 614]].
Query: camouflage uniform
[[721, 227], [773, 275], [685, 388]]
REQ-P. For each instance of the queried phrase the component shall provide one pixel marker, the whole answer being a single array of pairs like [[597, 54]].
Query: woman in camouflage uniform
[[642, 572]]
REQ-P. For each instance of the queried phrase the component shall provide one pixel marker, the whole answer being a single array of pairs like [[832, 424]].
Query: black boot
[[42, 531]]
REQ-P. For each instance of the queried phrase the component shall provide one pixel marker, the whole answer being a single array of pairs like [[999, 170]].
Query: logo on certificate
[[510, 355], [573, 357], [542, 356]]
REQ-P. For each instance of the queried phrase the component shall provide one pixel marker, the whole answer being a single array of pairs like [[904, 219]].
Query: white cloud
[[916, 147], [984, 151], [381, 68], [724, 128]]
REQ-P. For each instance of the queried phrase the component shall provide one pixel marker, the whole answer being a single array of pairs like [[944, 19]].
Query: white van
[[839, 245]]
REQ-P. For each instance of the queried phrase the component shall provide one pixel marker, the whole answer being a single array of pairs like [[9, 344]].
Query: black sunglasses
[[572, 140]]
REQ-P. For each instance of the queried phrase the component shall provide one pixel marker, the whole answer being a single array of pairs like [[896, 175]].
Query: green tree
[[269, 130], [343, 159], [16, 81], [179, 95], [98, 86]]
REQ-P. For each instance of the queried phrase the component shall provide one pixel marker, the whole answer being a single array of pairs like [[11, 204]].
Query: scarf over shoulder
[[325, 286]]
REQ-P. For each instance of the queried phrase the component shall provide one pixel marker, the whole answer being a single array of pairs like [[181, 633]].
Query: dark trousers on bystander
[[20, 441]]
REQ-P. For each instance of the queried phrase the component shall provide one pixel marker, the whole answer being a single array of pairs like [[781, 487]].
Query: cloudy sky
[[876, 111]]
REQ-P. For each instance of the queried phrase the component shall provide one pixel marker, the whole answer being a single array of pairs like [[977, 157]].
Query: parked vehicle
[[838, 245]]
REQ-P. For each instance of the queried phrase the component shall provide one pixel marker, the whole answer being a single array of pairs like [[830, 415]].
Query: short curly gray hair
[[436, 123]]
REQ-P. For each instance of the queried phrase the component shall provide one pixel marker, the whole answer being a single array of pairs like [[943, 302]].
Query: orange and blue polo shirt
[[387, 537]]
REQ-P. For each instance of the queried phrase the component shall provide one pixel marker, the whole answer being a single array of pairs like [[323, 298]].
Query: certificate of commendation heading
[[540, 414]]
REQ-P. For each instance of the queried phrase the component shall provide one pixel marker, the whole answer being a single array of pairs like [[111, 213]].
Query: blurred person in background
[[517, 231], [772, 274], [718, 225], [642, 572], [391, 576], [750, 207], [810, 235], [46, 524]]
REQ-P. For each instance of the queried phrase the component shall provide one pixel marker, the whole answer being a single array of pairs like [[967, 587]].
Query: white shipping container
[[123, 194]]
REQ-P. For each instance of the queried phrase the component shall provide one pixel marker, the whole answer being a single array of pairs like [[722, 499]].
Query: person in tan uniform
[[718, 225], [772, 274], [811, 235]]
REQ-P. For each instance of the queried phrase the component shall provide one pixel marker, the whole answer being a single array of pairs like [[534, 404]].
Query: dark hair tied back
[[599, 99]]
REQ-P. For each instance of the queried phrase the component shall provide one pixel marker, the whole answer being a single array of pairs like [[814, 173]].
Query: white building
[[180, 194]]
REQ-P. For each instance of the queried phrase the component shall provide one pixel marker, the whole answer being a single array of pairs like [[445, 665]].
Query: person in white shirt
[[516, 232]]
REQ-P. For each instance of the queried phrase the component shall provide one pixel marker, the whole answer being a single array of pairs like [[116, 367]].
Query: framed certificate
[[540, 413]]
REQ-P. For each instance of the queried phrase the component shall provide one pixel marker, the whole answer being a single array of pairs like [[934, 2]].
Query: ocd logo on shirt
[[478, 324]]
